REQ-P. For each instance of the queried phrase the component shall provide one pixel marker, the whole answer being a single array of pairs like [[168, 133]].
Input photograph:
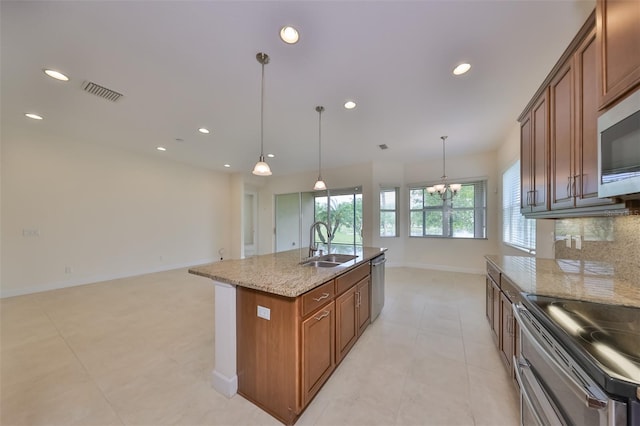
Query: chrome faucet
[[312, 246]]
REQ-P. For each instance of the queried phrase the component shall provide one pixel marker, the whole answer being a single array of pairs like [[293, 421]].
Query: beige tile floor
[[139, 351]]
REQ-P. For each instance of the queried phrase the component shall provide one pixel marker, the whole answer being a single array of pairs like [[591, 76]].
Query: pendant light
[[320, 185], [262, 168], [445, 190]]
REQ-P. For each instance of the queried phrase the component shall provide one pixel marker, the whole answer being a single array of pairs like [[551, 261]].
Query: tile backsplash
[[614, 240]]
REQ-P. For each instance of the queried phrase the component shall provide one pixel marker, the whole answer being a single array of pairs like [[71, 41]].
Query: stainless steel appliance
[[377, 285], [579, 362], [619, 149]]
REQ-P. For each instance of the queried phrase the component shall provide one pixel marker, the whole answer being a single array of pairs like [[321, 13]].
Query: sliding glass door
[[341, 209]]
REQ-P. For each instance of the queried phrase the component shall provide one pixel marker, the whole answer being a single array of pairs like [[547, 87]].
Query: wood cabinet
[[318, 350], [352, 314], [573, 133], [505, 331], [534, 146], [618, 34], [558, 139], [284, 356]]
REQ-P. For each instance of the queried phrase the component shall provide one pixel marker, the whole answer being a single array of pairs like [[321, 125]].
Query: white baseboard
[[93, 279], [227, 386]]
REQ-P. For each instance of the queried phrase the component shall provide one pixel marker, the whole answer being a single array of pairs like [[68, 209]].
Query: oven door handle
[[525, 376], [590, 400]]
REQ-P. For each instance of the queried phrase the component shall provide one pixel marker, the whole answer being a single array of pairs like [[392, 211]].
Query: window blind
[[517, 230]]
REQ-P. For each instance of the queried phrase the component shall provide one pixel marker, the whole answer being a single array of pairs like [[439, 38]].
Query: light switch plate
[[264, 312]]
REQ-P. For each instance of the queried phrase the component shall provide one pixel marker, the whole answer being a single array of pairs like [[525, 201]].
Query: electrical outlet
[[264, 312], [30, 232], [567, 241], [68, 270]]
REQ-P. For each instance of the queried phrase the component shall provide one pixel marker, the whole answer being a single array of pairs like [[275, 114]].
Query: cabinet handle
[[575, 186], [324, 296], [569, 186], [324, 315]]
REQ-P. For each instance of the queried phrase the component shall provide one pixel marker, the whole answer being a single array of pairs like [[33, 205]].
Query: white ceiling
[[185, 64]]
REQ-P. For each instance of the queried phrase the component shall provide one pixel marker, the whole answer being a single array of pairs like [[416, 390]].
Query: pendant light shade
[[320, 185], [445, 190], [262, 168]]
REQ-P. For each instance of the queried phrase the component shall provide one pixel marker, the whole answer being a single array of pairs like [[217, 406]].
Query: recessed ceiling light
[[349, 105], [34, 116], [161, 148], [289, 35], [227, 165], [203, 130], [271, 155], [56, 74], [461, 69]]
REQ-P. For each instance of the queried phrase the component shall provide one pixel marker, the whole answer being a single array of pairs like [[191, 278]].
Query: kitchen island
[[282, 327]]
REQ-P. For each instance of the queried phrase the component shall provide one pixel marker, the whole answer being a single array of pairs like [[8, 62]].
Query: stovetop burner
[[609, 334]]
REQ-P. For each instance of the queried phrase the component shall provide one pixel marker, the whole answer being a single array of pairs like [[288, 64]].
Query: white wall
[[462, 255], [102, 214]]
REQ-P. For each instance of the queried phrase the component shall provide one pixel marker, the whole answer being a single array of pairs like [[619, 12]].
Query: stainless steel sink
[[338, 258], [328, 260], [320, 264]]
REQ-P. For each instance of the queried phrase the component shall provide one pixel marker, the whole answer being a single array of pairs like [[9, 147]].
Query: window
[[464, 216], [517, 230], [389, 212], [342, 209]]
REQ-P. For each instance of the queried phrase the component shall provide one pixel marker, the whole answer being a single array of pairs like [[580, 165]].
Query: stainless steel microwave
[[619, 150]]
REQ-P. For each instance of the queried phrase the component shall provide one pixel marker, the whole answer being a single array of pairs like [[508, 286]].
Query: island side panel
[[268, 370], [224, 375]]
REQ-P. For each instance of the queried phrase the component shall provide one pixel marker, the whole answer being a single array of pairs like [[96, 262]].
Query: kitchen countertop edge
[[280, 273]]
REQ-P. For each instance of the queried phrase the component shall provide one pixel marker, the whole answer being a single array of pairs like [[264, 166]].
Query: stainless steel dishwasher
[[377, 286]]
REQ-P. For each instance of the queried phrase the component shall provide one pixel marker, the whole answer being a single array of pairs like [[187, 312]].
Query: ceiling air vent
[[101, 91], [383, 146]]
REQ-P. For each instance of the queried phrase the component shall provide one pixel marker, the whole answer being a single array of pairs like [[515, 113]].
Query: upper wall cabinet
[[573, 135], [618, 40], [558, 137]]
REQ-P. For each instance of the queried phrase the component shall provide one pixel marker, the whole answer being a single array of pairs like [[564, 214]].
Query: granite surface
[[570, 279], [281, 273]]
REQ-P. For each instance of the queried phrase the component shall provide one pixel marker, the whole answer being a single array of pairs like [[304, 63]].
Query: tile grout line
[[84, 367]]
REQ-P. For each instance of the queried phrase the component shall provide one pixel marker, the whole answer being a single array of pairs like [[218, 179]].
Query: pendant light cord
[[444, 173], [262, 116], [320, 141]]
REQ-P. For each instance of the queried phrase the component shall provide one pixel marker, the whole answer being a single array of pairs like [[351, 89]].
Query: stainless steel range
[[579, 362]]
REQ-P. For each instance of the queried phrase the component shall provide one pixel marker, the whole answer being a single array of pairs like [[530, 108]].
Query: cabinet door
[[586, 141], [363, 300], [318, 350], [540, 154], [561, 138], [489, 301], [507, 348], [618, 32], [526, 185], [346, 323], [495, 327]]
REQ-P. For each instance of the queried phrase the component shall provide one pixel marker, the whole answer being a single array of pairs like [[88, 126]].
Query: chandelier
[[446, 191]]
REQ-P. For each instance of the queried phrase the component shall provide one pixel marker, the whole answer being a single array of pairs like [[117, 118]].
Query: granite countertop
[[569, 279], [281, 273]]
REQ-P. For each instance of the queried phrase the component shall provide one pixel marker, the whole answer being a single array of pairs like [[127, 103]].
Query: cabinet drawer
[[510, 290], [348, 280], [494, 273], [317, 297]]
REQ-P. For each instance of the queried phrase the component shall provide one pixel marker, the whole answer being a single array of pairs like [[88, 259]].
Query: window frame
[[395, 211], [447, 208], [511, 210]]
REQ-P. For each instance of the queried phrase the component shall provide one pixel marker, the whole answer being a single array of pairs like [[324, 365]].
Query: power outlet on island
[[264, 313]]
